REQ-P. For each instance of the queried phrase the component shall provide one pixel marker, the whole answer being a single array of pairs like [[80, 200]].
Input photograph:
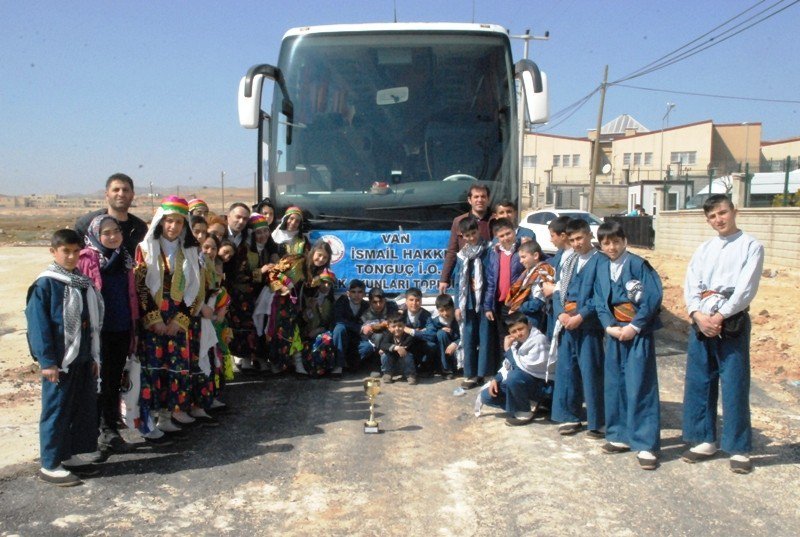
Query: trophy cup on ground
[[372, 387]]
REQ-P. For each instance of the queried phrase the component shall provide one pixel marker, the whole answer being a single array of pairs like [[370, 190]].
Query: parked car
[[537, 222]]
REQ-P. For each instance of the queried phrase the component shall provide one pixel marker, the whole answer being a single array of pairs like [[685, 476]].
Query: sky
[[149, 88]]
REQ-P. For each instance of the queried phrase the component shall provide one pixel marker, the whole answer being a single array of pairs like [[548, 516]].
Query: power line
[[671, 58], [569, 111], [755, 99]]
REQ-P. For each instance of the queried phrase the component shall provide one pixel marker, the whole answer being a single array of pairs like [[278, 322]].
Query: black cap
[[355, 283]]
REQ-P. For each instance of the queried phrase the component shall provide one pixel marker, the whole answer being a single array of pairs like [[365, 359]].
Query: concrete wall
[[775, 228]]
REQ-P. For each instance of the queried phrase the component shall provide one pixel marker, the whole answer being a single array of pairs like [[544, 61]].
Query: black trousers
[[114, 349]]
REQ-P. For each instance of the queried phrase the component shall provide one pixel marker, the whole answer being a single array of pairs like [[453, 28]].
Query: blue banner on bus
[[394, 260]]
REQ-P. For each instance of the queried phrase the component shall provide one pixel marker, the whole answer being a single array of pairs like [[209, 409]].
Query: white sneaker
[[154, 434], [298, 365], [198, 413], [166, 424], [182, 417], [216, 403], [336, 370]]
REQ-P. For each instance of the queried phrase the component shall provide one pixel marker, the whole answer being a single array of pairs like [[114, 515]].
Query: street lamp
[[664, 122]]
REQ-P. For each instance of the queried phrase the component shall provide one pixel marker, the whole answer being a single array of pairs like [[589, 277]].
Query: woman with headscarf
[[106, 261], [169, 288], [289, 233]]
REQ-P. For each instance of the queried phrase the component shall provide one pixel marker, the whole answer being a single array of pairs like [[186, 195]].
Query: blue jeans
[[391, 360], [517, 391], [709, 361], [631, 393], [68, 424], [443, 340], [346, 343], [476, 339], [579, 376]]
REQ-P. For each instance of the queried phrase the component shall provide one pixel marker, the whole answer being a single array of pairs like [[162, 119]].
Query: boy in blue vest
[[65, 315], [627, 299], [579, 372]]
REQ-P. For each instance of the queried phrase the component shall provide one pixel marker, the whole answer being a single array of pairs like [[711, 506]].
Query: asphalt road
[[291, 458]]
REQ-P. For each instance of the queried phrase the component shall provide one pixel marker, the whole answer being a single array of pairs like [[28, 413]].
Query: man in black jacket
[[119, 196], [347, 312]]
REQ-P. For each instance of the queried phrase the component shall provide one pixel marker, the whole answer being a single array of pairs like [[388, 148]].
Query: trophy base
[[371, 428]]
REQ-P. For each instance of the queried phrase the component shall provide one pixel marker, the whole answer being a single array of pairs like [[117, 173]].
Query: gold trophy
[[372, 387]]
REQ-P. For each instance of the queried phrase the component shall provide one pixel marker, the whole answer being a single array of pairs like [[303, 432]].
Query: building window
[[556, 161], [626, 159], [684, 157], [637, 159], [648, 159], [565, 161], [576, 161], [529, 161]]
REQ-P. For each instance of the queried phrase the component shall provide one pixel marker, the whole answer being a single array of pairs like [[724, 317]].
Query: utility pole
[[222, 179], [527, 37], [596, 150]]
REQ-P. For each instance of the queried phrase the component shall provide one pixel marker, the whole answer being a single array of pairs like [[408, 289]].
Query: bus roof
[[390, 27]]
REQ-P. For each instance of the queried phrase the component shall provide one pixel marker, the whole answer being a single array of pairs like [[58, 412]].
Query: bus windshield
[[392, 128]]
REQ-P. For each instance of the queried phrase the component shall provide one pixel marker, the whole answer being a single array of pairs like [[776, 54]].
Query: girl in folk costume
[[243, 282], [319, 350], [289, 233], [287, 280], [261, 240], [169, 288], [212, 267], [110, 267]]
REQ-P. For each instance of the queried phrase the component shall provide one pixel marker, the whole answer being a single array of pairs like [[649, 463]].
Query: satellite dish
[[606, 168]]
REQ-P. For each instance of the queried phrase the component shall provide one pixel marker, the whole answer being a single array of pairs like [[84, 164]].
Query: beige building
[[632, 155], [773, 154]]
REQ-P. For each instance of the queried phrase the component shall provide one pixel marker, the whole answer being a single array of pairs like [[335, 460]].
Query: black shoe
[[160, 441], [207, 421], [84, 470], [69, 480], [567, 429], [115, 445], [595, 434], [512, 421], [692, 456], [741, 467], [469, 383], [611, 449]]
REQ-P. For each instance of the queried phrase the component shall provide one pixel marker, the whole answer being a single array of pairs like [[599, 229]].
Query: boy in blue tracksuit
[[470, 289], [627, 299], [558, 236], [65, 315], [444, 331], [579, 372]]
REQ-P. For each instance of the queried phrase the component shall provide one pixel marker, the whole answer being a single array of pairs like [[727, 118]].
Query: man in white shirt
[[721, 282]]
